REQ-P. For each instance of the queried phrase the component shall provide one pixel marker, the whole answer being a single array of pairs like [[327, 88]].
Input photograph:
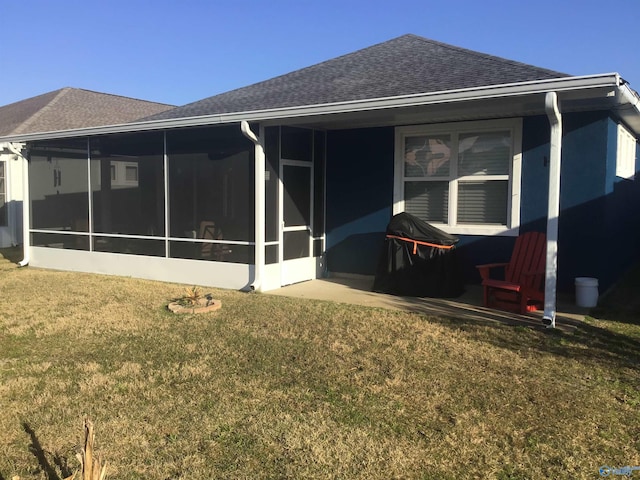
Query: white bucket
[[586, 292]]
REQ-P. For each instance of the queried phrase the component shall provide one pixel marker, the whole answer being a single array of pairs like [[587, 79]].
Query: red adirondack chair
[[522, 289]]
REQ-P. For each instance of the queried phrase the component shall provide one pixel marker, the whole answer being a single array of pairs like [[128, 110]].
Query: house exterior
[[64, 109], [297, 177]]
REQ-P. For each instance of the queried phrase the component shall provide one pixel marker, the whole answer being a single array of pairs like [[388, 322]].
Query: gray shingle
[[405, 65], [70, 108]]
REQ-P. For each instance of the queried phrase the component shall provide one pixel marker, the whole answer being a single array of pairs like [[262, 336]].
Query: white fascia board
[[563, 84], [629, 108]]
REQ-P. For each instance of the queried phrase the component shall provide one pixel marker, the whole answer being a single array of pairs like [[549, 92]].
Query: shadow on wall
[[599, 238], [357, 254]]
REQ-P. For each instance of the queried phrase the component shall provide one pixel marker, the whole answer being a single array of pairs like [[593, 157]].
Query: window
[[3, 195], [131, 174], [626, 154], [462, 177]]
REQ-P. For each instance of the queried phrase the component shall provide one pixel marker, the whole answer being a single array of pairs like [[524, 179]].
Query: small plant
[[194, 301], [191, 297]]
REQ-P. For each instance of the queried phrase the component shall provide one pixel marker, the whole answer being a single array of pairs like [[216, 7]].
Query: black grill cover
[[418, 260]]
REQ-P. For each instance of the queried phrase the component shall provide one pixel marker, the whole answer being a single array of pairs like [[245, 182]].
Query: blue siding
[[582, 185], [599, 229], [359, 197]]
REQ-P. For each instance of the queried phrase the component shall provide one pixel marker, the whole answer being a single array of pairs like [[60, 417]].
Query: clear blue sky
[[179, 51]]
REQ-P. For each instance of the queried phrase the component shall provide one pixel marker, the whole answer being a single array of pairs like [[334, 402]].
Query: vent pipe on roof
[[551, 271], [259, 206]]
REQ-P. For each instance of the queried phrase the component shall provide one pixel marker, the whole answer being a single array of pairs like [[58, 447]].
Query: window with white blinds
[[462, 176]]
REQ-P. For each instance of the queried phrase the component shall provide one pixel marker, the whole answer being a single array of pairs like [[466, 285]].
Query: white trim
[[514, 177], [553, 208], [625, 153], [175, 270], [564, 84], [298, 269]]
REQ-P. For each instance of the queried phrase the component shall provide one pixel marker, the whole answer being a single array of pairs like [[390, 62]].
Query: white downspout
[[551, 272], [259, 206], [25, 206]]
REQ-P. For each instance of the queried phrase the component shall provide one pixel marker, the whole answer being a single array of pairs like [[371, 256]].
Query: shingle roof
[[405, 65], [70, 108]]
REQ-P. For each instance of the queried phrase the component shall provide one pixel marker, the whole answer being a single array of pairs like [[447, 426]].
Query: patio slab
[[356, 290]]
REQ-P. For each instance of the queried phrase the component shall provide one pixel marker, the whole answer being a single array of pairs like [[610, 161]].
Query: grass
[[270, 387]]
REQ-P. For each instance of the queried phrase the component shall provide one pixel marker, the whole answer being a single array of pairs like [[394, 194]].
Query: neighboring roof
[[402, 66], [70, 108]]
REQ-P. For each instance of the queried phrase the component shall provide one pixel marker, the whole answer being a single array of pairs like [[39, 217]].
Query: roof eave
[[563, 84]]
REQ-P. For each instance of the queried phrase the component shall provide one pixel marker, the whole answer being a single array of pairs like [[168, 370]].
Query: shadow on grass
[[36, 449], [573, 339], [13, 254]]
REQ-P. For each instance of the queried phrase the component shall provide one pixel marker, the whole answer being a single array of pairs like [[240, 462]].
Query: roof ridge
[[29, 121], [476, 53]]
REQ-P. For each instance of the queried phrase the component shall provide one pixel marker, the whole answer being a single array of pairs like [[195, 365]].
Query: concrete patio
[[356, 290]]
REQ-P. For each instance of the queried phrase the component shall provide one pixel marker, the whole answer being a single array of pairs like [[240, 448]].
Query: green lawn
[[270, 387]]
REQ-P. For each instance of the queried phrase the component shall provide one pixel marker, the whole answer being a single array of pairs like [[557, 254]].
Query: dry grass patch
[[270, 387]]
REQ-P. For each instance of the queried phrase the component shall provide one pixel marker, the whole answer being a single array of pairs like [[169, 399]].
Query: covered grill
[[418, 260]]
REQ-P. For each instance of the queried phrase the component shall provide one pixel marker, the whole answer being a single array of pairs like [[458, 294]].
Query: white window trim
[[625, 154], [514, 126]]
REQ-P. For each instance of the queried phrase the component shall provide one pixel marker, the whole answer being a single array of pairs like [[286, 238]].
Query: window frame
[[625, 153], [455, 130]]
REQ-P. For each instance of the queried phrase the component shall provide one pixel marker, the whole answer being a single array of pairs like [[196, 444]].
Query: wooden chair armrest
[[484, 269]]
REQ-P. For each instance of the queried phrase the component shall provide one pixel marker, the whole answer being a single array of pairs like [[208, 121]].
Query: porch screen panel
[[58, 189], [296, 196], [127, 181], [296, 143], [296, 244], [211, 192], [272, 166], [132, 246], [319, 158]]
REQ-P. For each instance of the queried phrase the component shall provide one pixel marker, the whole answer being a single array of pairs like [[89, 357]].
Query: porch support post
[[259, 214], [551, 271]]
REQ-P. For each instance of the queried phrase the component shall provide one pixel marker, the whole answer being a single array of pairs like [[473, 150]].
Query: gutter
[[553, 213], [629, 96], [628, 108], [259, 214], [563, 84]]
